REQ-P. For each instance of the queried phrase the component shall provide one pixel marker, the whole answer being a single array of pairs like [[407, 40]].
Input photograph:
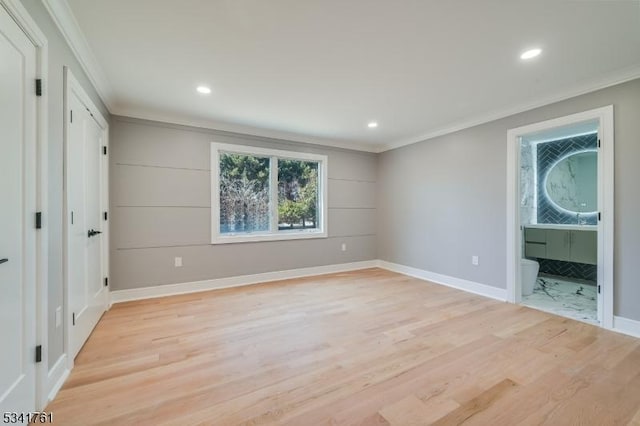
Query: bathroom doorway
[[560, 216]]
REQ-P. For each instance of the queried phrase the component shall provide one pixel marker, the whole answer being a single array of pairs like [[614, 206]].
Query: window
[[262, 194]]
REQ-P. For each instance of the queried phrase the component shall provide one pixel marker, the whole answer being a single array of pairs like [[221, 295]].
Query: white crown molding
[[620, 77], [66, 22], [63, 16], [242, 129]]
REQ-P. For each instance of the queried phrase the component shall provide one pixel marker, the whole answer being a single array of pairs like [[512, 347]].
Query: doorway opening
[[560, 216]]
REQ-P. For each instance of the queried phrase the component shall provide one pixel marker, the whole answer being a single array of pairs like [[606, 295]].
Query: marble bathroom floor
[[566, 297]]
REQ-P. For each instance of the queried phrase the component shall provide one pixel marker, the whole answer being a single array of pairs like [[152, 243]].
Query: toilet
[[528, 275]]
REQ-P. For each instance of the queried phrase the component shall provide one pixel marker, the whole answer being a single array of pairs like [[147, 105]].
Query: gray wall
[[439, 201], [160, 208], [443, 200], [59, 56]]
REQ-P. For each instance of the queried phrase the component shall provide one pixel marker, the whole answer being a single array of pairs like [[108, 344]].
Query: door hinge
[[71, 116], [599, 290], [106, 281], [38, 220], [599, 216], [599, 143], [104, 150], [38, 87], [105, 216], [38, 353], [73, 318]]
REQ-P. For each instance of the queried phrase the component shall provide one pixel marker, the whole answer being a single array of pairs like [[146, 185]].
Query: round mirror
[[571, 183]]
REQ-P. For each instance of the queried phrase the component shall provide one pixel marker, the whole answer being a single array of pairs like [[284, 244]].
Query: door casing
[[71, 85], [604, 116], [44, 383]]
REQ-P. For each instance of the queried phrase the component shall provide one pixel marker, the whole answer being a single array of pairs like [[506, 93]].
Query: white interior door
[[17, 213], [87, 293]]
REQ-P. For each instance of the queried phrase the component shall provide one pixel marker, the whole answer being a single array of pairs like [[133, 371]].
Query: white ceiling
[[319, 70]]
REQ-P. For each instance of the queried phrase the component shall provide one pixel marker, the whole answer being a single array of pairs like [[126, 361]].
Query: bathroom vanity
[[569, 243]]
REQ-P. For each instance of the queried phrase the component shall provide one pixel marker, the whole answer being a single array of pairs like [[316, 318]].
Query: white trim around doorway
[[604, 116], [71, 85], [21, 16]]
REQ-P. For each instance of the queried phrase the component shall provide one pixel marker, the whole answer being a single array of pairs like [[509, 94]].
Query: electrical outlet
[[59, 316], [344, 247], [178, 262], [475, 261]]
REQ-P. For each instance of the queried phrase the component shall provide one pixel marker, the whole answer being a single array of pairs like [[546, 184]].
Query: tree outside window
[[261, 194]]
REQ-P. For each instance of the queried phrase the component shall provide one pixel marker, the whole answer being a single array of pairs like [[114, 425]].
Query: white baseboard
[[620, 324], [59, 373], [56, 377], [60, 370], [119, 296], [626, 326], [458, 283]]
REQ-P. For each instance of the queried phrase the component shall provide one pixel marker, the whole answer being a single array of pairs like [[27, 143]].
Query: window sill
[[252, 238]]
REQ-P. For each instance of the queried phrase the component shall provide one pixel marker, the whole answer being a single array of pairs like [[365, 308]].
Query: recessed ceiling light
[[532, 53], [203, 89], [372, 125]]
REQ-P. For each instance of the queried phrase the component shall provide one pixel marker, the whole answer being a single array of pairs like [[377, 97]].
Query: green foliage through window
[[245, 192], [297, 194]]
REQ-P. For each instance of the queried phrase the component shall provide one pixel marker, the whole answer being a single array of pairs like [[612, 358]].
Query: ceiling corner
[[66, 22], [245, 130], [612, 79]]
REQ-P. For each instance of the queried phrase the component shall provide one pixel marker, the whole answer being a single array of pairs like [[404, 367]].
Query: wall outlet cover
[[344, 247], [178, 262], [475, 261]]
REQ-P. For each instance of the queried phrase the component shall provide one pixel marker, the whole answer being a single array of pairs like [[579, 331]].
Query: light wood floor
[[366, 347]]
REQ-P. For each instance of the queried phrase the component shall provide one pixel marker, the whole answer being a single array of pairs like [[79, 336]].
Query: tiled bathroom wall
[[527, 183], [569, 269], [546, 155]]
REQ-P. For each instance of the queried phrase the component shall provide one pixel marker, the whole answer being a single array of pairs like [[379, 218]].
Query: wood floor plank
[[477, 404], [411, 411], [355, 348]]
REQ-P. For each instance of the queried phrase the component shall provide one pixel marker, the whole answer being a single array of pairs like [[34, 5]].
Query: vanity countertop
[[566, 227]]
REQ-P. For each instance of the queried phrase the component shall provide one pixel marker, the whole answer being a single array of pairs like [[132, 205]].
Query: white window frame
[[273, 234]]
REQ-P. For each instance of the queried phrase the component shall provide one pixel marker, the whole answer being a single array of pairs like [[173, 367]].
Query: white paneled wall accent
[[160, 209]]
